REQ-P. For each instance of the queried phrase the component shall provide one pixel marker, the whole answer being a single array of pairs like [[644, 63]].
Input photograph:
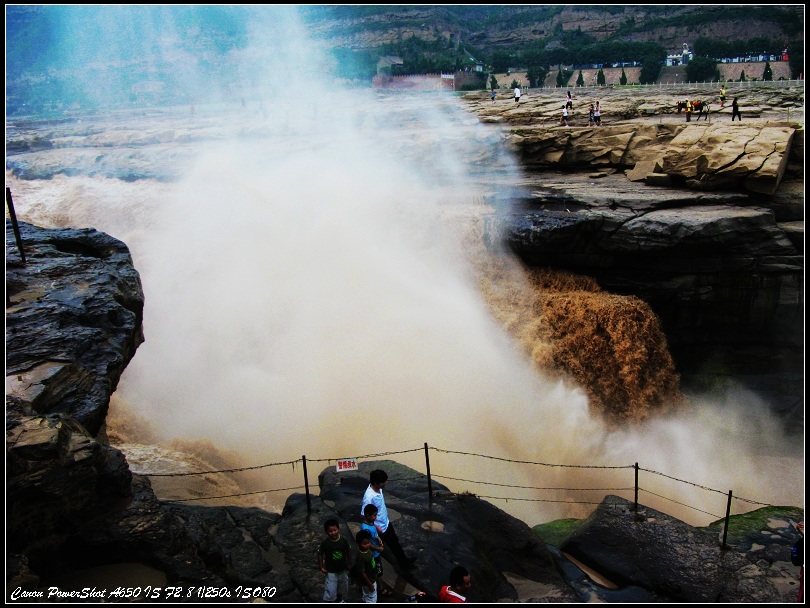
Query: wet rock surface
[[651, 550], [74, 311]]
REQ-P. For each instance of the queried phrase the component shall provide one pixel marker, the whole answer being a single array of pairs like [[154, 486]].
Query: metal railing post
[[306, 485], [427, 468], [14, 226], [725, 523]]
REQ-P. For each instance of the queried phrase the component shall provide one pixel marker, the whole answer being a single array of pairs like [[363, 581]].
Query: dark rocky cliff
[[74, 313]]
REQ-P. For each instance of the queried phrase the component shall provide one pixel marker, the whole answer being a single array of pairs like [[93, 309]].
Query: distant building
[[457, 81], [681, 57], [385, 63]]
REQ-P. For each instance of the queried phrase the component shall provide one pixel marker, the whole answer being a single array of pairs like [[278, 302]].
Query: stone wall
[[728, 71], [731, 71]]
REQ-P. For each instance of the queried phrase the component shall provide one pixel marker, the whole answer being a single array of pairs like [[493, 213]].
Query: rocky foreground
[[74, 507]]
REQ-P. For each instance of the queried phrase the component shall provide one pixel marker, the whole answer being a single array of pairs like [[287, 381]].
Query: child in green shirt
[[366, 567]]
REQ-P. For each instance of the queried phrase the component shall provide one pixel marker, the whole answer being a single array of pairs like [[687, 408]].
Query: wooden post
[[14, 226], [427, 468], [725, 524], [635, 499], [306, 485]]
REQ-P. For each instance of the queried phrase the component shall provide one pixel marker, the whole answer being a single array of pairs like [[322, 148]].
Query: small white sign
[[346, 464]]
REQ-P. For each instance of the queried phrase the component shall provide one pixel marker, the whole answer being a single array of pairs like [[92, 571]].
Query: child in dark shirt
[[334, 556]]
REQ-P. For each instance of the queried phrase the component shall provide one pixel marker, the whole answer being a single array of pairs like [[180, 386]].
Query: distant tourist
[[493, 95], [333, 560], [688, 111], [735, 110], [569, 103], [517, 94], [597, 115], [591, 118], [722, 96], [564, 116], [459, 584]]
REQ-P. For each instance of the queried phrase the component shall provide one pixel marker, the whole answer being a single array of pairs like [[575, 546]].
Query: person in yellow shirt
[[722, 96]]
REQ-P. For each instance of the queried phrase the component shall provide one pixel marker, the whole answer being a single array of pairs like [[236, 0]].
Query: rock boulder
[[652, 550], [74, 313]]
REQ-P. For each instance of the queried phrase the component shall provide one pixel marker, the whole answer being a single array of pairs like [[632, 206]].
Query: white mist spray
[[309, 291]]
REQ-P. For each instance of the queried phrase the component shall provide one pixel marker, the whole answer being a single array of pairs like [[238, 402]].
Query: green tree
[[536, 75], [709, 47], [650, 69], [559, 78], [742, 76], [493, 82], [796, 59], [623, 78], [500, 61], [515, 84], [600, 77], [768, 73], [701, 69], [580, 80]]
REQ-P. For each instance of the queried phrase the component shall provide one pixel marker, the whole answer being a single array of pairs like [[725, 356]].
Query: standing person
[[377, 546], [722, 96], [597, 115], [565, 115], [374, 496], [459, 584], [735, 110], [688, 111], [569, 103], [493, 95], [333, 560], [366, 567], [797, 559], [591, 118], [517, 94]]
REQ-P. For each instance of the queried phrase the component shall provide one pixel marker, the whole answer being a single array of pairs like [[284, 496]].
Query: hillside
[[62, 58], [488, 28]]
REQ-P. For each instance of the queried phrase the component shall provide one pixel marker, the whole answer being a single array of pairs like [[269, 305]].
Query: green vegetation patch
[[744, 529], [554, 532]]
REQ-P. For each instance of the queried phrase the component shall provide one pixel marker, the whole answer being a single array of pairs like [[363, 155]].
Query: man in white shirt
[[374, 496], [517, 94]]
